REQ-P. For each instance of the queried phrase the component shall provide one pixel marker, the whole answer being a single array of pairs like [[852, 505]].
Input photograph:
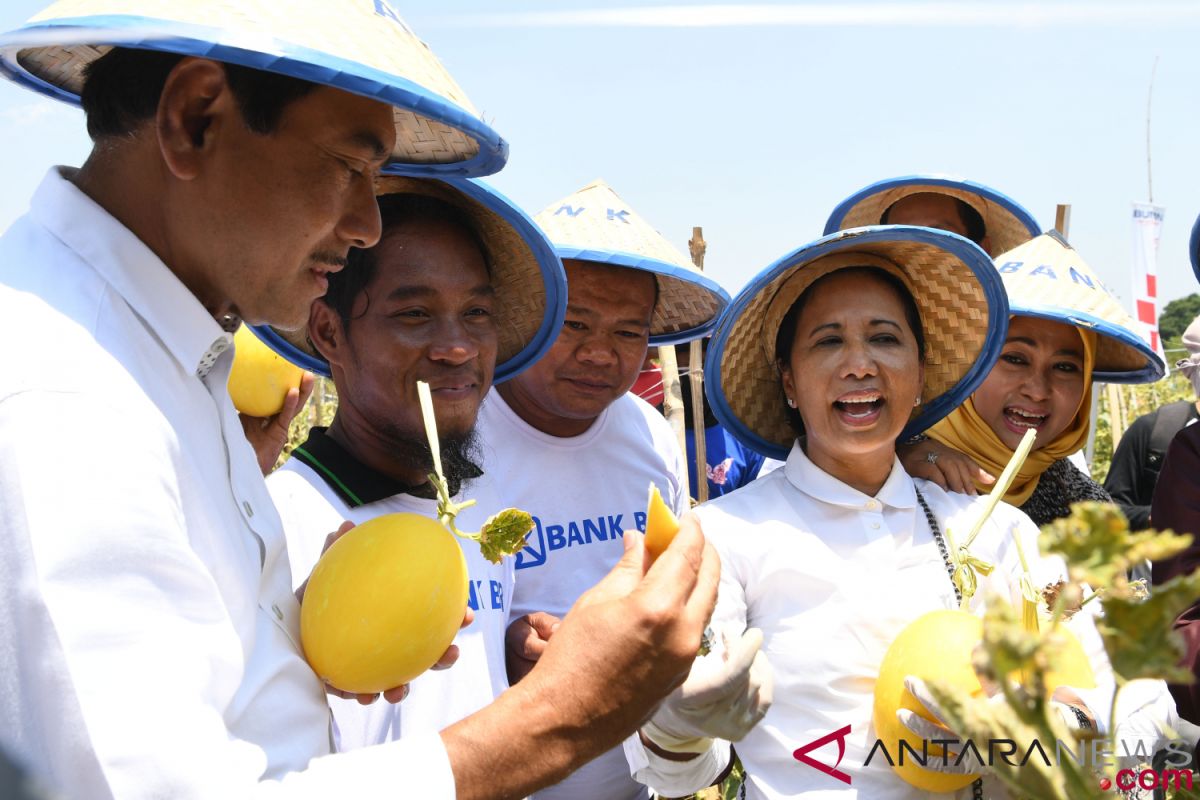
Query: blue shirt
[[730, 465]]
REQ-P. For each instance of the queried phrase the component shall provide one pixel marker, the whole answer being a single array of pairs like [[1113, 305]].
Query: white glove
[[724, 696], [938, 731]]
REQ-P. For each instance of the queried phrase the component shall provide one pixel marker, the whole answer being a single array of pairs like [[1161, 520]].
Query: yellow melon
[[384, 603], [260, 378], [939, 646], [661, 525], [935, 646]]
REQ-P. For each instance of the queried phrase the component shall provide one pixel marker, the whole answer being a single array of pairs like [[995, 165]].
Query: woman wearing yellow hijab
[[1065, 330]]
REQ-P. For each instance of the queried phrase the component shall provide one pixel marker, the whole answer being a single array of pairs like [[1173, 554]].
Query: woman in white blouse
[[825, 359]]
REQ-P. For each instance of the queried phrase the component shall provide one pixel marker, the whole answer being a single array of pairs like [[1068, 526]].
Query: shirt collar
[[897, 491], [152, 290], [353, 481]]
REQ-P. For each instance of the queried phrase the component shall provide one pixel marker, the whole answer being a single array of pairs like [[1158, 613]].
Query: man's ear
[[326, 332], [195, 105]]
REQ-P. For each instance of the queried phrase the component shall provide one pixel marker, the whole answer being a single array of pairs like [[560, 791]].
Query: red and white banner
[[1147, 223]]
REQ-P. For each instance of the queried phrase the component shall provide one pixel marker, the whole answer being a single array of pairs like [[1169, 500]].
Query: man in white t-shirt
[[397, 315], [576, 449]]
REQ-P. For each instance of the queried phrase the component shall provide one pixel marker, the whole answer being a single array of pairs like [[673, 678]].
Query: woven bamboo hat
[[1046, 278], [958, 293], [361, 46], [531, 287], [594, 224], [1006, 222]]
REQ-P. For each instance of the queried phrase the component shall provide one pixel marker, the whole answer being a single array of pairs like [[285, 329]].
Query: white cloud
[[926, 14]]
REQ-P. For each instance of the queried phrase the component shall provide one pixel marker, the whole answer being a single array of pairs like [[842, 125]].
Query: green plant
[[1099, 548]]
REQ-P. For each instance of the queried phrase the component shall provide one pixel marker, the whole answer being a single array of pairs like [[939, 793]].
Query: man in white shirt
[[151, 628], [576, 449]]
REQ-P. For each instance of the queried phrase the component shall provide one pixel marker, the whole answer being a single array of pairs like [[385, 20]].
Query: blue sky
[[755, 120]]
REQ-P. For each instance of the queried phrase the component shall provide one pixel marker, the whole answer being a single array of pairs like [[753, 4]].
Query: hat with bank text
[[958, 294], [596, 225], [1047, 278], [360, 46], [528, 278], [1005, 222]]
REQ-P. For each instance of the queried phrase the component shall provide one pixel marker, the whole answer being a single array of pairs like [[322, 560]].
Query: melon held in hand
[[938, 646], [260, 378], [661, 524], [384, 603], [386, 599], [935, 646]]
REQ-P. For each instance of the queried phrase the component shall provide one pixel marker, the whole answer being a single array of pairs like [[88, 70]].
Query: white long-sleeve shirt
[[150, 634], [831, 576]]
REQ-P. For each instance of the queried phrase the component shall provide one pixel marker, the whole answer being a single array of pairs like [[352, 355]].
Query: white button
[[875, 525], [248, 509], [872, 505], [220, 346], [278, 613]]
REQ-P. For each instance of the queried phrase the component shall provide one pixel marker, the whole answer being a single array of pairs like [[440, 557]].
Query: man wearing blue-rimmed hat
[[148, 608], [576, 449]]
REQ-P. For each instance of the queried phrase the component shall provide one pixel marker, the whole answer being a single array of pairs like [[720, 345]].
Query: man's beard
[[461, 455]]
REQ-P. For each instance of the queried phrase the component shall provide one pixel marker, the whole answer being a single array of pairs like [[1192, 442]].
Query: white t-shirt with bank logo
[[584, 492]]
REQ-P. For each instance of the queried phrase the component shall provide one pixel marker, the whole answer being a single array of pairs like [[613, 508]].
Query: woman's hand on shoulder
[[945, 466]]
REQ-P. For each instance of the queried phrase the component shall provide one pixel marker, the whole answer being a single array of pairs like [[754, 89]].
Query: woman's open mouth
[[1020, 420], [859, 408]]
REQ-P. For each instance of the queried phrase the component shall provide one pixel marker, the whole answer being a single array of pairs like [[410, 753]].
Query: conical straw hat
[[1006, 222], [957, 291], [594, 224], [361, 46], [1046, 278], [531, 287]]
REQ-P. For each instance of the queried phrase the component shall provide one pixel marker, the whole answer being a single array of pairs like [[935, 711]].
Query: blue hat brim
[[1152, 371], [293, 60], [617, 258], [1194, 248], [980, 265]]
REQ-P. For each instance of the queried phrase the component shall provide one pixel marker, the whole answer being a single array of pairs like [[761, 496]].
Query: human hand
[[269, 435], [945, 466], [938, 733], [644, 624], [397, 693], [724, 696], [526, 640]]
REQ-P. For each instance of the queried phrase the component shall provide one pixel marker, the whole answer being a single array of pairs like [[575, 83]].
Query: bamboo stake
[[1116, 419], [697, 246], [673, 401], [1062, 220]]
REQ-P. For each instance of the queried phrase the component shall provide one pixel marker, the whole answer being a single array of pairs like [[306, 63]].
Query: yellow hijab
[[966, 432]]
